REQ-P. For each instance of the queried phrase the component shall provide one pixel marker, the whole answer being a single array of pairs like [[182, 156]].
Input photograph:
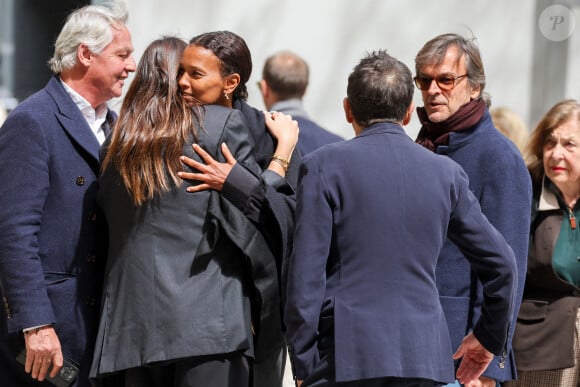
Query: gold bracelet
[[282, 161]]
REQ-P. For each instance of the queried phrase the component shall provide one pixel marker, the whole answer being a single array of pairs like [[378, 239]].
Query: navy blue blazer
[[500, 181], [312, 136], [372, 215], [50, 255]]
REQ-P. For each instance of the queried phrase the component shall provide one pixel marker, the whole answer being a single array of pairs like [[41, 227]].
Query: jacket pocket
[[532, 311], [55, 278], [544, 335]]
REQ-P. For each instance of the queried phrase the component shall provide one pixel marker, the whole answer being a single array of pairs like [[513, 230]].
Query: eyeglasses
[[444, 82]]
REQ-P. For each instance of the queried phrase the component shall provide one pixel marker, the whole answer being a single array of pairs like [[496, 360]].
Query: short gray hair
[[91, 25]]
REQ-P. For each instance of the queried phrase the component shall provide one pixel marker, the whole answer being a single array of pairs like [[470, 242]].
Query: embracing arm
[[214, 174], [265, 197]]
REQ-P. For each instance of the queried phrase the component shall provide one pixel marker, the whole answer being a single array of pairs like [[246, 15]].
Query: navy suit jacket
[[372, 215], [50, 255], [499, 179], [312, 136]]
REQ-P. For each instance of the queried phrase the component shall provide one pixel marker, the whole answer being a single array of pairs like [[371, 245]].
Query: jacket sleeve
[[506, 202], [306, 276], [25, 174], [491, 258], [266, 198]]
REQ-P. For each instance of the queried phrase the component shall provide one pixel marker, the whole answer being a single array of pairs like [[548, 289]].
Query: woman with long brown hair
[[178, 301]]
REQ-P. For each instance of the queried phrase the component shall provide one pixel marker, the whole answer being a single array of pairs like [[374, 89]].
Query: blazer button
[[91, 258], [7, 308], [92, 216], [90, 301], [80, 181]]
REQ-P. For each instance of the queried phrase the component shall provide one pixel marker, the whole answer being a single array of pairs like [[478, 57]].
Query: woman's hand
[[212, 174], [285, 130]]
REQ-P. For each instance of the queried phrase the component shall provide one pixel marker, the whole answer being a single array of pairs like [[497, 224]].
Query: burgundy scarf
[[433, 134]]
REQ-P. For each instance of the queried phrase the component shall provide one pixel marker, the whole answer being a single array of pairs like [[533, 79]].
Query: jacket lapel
[[72, 120]]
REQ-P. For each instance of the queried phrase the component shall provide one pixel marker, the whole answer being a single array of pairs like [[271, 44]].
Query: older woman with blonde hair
[[546, 341]]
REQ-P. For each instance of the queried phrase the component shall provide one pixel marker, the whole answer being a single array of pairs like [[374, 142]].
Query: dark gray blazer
[[313, 136], [180, 279]]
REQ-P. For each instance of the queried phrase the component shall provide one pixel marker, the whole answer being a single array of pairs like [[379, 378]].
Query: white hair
[[91, 25]]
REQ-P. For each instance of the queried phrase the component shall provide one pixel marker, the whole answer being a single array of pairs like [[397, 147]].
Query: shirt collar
[[94, 117], [293, 107], [548, 199]]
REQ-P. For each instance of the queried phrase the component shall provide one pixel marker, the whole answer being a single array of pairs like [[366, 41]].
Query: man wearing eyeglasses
[[456, 122]]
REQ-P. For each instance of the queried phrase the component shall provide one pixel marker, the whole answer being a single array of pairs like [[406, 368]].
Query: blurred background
[[530, 49]]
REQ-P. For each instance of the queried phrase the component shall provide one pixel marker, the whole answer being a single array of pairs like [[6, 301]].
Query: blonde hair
[[512, 126]]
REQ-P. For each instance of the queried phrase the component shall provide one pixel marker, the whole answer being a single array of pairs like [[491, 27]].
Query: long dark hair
[[154, 124]]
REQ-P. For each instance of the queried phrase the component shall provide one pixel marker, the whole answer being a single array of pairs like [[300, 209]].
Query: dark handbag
[[66, 376]]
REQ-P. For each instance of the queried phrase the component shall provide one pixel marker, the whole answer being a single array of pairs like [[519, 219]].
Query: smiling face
[[561, 156], [441, 104], [201, 78], [109, 69]]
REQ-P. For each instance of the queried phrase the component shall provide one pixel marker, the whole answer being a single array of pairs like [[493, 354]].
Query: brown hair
[[560, 113], [154, 124], [433, 53]]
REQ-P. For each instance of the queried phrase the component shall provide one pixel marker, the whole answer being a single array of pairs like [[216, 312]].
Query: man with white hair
[[51, 247]]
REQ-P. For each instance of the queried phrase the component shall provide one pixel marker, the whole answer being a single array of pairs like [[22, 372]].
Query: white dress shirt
[[95, 117]]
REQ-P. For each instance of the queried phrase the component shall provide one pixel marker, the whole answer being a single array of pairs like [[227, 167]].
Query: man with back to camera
[[365, 275], [51, 250], [283, 85], [456, 122]]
